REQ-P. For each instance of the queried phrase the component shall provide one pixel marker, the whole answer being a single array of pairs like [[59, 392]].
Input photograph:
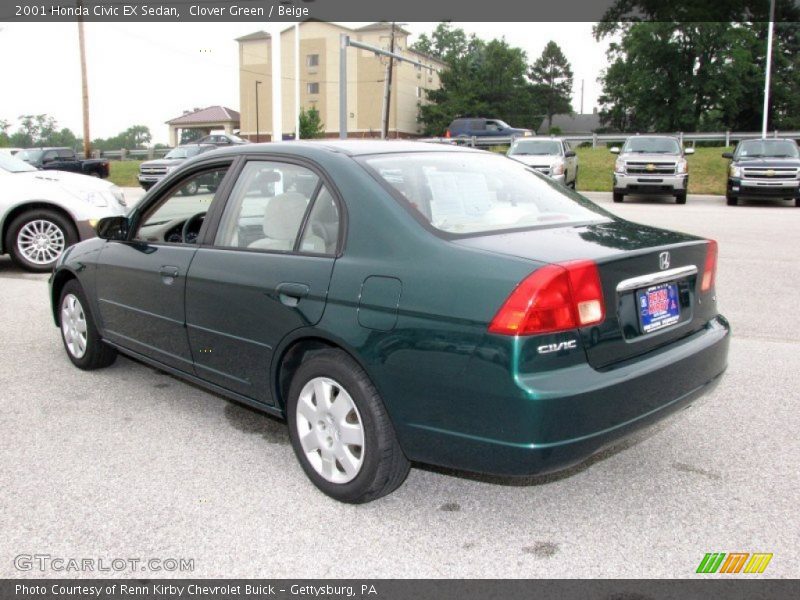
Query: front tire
[[38, 237], [79, 332], [681, 198], [732, 200], [190, 189], [340, 431], [618, 197]]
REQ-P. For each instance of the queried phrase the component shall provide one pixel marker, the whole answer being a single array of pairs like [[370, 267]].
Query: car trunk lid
[[632, 259]]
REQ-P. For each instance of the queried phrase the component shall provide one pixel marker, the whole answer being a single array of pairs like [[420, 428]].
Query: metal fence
[[725, 138]]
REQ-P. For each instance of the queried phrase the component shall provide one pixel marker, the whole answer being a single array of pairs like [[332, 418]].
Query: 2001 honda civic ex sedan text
[[400, 301]]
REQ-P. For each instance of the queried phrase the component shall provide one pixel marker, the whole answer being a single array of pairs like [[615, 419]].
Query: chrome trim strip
[[651, 279]]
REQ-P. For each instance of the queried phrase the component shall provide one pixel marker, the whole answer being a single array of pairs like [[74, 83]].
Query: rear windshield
[[536, 147], [652, 145], [470, 193], [767, 148]]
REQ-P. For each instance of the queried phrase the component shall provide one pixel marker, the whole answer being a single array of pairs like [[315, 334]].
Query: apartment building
[[319, 80]]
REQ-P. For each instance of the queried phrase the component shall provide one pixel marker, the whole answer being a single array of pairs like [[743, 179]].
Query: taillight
[[710, 268], [554, 298], [447, 133]]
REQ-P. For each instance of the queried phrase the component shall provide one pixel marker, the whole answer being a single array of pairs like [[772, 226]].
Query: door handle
[[290, 294], [168, 274]]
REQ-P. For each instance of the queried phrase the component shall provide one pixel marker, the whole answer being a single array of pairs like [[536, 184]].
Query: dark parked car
[[764, 169], [153, 171], [399, 302], [222, 139], [466, 128], [64, 159]]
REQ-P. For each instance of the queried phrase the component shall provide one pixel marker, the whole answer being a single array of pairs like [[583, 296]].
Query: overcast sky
[[149, 73]]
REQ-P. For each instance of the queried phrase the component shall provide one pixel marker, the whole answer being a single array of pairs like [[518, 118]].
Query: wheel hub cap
[[330, 430], [73, 326]]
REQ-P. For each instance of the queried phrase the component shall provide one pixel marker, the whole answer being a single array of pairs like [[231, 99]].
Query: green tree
[[4, 139], [311, 125], [551, 75], [481, 79], [40, 130], [698, 73]]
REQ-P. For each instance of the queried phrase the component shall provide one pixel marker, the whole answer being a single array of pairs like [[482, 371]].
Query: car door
[[141, 282], [68, 161], [265, 272]]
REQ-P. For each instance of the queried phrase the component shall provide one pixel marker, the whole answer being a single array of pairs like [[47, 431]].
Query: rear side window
[[268, 206], [66, 153], [468, 193]]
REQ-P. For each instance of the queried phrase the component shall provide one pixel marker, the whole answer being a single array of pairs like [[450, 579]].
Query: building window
[[312, 60], [419, 92], [313, 87]]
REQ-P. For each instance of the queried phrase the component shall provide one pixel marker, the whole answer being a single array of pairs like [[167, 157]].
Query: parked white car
[[551, 156], [44, 212]]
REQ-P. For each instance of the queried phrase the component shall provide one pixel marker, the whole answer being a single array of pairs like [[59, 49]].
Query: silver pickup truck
[[153, 171], [651, 164], [551, 156]]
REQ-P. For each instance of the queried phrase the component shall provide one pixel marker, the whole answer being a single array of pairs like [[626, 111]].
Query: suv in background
[[550, 156], [222, 139], [153, 171], [466, 128], [651, 164], [764, 168]]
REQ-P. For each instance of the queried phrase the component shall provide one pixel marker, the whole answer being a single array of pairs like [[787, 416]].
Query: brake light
[[554, 298], [710, 268], [447, 133]]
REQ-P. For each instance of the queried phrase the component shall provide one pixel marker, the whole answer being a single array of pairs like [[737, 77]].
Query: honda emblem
[[663, 260]]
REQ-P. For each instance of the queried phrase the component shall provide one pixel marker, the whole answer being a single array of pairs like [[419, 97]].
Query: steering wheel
[[188, 235]]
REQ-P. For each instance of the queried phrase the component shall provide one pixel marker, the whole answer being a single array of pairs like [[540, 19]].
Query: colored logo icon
[[734, 562]]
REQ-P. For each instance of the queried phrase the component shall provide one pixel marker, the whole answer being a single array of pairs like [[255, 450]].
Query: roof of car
[[348, 147]]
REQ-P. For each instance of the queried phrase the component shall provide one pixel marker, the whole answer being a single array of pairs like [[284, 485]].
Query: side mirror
[[614, 150], [727, 155], [688, 151], [112, 228], [569, 153]]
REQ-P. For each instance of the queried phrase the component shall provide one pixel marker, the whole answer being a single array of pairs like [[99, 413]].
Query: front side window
[[468, 193], [268, 206], [177, 218]]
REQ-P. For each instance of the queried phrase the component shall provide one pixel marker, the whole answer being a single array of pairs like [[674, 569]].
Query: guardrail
[[143, 154], [600, 138]]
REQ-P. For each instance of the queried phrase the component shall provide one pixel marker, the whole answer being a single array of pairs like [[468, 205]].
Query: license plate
[[659, 307]]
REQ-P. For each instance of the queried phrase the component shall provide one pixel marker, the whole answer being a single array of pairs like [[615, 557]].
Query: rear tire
[[190, 189], [732, 200], [37, 238], [681, 198], [618, 197], [348, 450], [797, 202], [82, 341]]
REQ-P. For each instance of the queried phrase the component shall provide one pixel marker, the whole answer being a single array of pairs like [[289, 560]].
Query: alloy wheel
[[41, 241], [330, 430]]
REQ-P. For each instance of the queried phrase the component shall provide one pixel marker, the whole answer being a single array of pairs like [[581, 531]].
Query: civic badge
[[663, 260]]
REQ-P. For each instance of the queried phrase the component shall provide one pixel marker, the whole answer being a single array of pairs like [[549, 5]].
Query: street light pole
[[258, 131], [770, 28]]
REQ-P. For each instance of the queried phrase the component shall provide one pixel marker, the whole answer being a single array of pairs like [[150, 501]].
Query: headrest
[[283, 216]]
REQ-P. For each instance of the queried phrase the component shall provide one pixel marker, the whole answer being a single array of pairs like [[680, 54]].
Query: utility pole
[[582, 96], [277, 88], [258, 130], [387, 95], [770, 27], [297, 81], [87, 140]]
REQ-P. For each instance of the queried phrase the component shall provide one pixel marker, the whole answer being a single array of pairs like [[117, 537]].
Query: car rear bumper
[[650, 183], [573, 413], [758, 188]]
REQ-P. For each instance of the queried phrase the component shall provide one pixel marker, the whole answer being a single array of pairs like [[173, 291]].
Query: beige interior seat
[[282, 219]]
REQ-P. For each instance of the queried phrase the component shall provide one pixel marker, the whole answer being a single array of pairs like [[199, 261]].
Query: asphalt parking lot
[[130, 462]]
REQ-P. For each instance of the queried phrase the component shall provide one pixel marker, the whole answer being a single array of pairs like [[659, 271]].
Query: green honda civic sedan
[[400, 302]]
